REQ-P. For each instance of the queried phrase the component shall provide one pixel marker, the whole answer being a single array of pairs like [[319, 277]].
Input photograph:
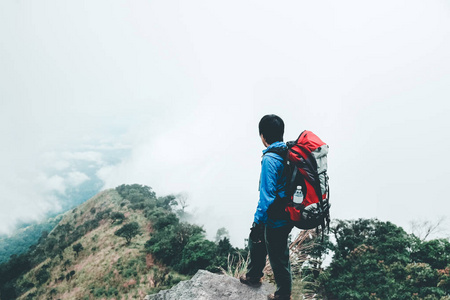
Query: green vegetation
[[77, 248], [84, 250], [184, 248], [178, 245], [84, 256], [43, 275], [24, 237], [117, 216], [128, 231], [379, 260]]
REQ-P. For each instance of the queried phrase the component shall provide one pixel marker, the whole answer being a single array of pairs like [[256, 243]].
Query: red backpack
[[306, 162]]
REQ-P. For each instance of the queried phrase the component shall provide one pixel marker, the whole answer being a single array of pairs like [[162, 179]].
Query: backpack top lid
[[309, 140], [306, 143]]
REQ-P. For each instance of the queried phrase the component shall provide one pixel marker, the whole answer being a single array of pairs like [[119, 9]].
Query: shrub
[[77, 248], [117, 216], [162, 219], [42, 276], [198, 253], [70, 275], [103, 214], [135, 192], [380, 259], [67, 263], [183, 247], [130, 273]]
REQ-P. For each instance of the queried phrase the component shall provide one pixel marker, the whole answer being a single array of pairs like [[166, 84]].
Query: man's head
[[271, 128]]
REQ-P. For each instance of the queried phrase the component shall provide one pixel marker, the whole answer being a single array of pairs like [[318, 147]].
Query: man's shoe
[[251, 281], [278, 297]]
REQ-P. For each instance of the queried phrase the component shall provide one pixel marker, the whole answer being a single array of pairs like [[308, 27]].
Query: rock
[[208, 286]]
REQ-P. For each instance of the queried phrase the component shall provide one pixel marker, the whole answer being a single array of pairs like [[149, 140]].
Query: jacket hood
[[277, 147]]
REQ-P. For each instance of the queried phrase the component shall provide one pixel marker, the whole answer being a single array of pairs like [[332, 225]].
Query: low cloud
[[53, 183], [28, 199], [91, 156], [47, 183], [76, 178]]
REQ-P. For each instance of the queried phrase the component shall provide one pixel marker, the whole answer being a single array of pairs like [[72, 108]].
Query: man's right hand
[[257, 232]]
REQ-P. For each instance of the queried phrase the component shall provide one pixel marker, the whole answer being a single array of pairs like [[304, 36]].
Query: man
[[270, 229]]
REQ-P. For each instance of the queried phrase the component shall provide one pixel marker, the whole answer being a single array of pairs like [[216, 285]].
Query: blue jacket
[[272, 183]]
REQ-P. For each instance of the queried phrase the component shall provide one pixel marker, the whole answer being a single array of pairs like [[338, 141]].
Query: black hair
[[272, 128]]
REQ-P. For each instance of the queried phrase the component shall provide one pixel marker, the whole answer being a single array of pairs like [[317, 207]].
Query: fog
[[169, 94]]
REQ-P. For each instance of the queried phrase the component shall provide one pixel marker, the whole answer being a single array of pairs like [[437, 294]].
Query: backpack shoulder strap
[[282, 153], [289, 170]]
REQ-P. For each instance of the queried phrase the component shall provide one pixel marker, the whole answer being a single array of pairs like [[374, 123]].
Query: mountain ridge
[[123, 242], [83, 258]]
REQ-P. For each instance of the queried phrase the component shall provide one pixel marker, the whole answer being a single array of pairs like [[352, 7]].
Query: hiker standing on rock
[[270, 229]]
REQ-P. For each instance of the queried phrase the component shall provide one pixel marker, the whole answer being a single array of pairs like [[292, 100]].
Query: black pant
[[275, 244]]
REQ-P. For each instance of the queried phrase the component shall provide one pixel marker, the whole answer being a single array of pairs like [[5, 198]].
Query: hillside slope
[[22, 238], [84, 259]]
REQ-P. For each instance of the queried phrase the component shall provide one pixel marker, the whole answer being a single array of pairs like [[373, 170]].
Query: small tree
[[221, 234], [425, 229], [77, 248], [70, 275], [128, 231], [67, 263], [199, 253], [166, 202], [42, 276], [182, 199], [117, 216]]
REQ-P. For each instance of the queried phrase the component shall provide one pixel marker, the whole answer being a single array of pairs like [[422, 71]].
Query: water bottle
[[298, 195]]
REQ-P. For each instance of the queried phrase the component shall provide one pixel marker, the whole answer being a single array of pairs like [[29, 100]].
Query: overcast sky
[[180, 86]]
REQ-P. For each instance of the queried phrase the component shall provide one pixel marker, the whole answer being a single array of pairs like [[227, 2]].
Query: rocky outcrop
[[208, 286]]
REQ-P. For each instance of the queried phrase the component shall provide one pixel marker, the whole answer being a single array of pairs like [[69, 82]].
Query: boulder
[[208, 286]]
